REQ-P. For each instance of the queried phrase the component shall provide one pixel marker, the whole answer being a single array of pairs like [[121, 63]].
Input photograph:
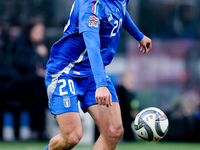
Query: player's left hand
[[145, 44]]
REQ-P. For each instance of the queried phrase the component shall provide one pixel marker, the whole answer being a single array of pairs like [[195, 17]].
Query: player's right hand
[[103, 96]]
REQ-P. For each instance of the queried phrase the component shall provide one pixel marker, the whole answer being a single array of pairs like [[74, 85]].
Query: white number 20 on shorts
[[71, 86]]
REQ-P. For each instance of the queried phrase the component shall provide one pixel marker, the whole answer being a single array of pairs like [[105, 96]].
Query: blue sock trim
[[46, 148]]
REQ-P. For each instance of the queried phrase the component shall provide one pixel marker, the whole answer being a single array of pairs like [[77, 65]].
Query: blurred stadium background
[[167, 77]]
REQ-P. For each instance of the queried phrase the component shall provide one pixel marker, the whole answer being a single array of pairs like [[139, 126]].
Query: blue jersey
[[90, 39]]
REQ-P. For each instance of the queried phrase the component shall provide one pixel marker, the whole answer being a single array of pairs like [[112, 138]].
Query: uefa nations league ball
[[151, 124]]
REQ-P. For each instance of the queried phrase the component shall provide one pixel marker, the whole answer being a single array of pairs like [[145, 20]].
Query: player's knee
[[115, 132], [119, 132], [71, 140]]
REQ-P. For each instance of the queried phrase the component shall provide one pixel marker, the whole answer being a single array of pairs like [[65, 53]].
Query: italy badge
[[66, 101]]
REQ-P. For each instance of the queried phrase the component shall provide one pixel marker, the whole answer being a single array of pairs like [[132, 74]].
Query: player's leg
[[70, 132], [108, 120], [63, 102]]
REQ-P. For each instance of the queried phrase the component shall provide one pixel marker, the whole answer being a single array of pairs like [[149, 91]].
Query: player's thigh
[[70, 124], [107, 118], [61, 93]]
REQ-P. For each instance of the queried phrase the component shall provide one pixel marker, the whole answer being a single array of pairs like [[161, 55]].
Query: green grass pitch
[[139, 145]]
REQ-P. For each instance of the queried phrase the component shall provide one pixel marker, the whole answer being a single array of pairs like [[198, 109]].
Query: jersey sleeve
[[89, 15], [92, 42], [89, 24], [131, 28]]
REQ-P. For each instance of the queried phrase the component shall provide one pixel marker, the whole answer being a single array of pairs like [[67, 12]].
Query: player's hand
[[103, 96], [145, 44]]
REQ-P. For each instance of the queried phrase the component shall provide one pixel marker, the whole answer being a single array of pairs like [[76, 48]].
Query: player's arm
[[132, 29], [92, 41], [89, 24]]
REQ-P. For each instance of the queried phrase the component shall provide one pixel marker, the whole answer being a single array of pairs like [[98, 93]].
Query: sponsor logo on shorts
[[66, 101], [93, 21]]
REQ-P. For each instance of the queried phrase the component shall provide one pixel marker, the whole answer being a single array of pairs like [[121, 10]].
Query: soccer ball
[[151, 124]]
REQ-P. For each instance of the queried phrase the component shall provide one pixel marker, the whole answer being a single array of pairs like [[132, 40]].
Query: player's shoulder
[[92, 7]]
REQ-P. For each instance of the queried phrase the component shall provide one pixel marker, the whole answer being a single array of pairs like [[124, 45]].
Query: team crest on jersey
[[93, 21], [124, 7], [66, 101]]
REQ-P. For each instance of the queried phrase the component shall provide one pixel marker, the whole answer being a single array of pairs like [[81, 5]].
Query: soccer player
[[76, 72]]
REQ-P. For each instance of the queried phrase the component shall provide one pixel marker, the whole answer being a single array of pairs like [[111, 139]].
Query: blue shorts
[[65, 91]]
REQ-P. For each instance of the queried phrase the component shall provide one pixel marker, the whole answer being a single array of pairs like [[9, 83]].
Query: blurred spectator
[[128, 103], [192, 65], [6, 73], [183, 124], [10, 31], [187, 16], [184, 114], [27, 55], [169, 19], [28, 47], [0, 35]]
